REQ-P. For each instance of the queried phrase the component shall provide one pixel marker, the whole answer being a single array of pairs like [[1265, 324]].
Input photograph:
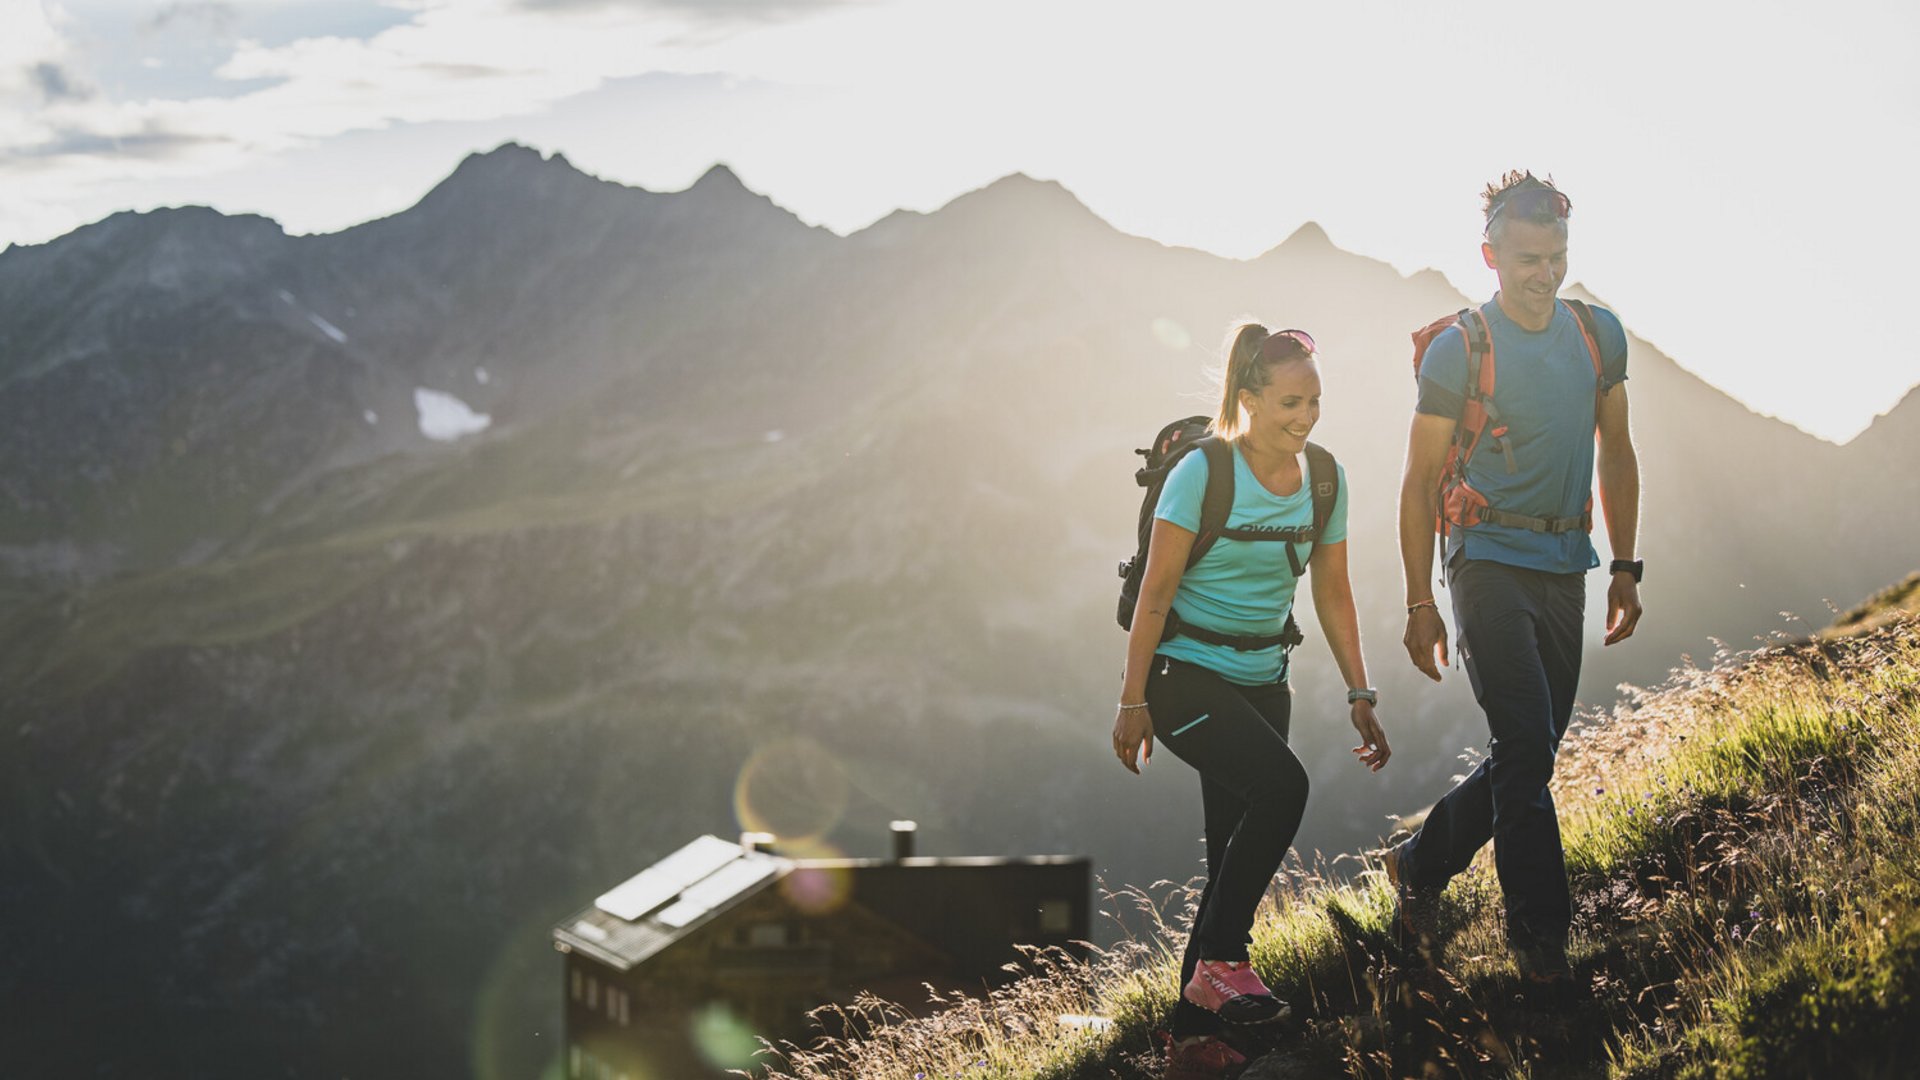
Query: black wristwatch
[[1628, 566]]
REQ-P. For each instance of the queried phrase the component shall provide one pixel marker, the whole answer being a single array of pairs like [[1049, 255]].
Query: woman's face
[[1281, 416]]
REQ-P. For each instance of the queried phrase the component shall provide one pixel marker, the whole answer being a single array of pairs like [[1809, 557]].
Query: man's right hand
[[1426, 641]]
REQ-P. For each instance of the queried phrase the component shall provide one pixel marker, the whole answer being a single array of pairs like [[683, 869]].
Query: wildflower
[[1754, 915]]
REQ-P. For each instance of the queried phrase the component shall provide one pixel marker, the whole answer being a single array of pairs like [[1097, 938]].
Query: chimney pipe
[[751, 842], [903, 832]]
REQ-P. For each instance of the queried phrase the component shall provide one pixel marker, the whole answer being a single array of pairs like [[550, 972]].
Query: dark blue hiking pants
[[1519, 638], [1253, 791]]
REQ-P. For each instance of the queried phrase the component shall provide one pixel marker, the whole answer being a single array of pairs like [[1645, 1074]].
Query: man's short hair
[[1508, 199]]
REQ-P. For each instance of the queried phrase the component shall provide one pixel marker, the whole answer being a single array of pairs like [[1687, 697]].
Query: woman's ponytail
[[1243, 348]]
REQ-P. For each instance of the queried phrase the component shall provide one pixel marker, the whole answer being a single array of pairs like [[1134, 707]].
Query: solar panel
[[723, 885], [682, 913], [664, 880], [729, 881]]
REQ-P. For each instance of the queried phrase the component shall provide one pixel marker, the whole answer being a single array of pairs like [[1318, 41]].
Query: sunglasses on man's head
[[1530, 200], [1285, 345]]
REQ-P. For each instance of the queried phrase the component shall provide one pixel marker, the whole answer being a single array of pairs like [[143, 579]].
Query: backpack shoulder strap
[[1326, 486], [1217, 503], [1590, 330], [1480, 367]]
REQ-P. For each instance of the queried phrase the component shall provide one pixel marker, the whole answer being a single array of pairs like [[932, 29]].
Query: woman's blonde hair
[[1249, 368]]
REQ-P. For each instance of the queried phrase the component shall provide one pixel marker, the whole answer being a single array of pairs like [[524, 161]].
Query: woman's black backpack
[[1173, 443]]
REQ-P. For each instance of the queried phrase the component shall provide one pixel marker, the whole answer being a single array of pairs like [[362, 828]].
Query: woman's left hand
[[1373, 750]]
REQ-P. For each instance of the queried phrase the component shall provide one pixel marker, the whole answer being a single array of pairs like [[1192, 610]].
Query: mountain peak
[[1021, 202], [181, 230], [1309, 237], [719, 177], [510, 174], [1027, 190], [1016, 202], [512, 159], [1309, 241]]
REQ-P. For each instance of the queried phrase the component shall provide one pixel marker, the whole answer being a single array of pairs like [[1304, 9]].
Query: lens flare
[[816, 890], [724, 1040], [1171, 334], [793, 788]]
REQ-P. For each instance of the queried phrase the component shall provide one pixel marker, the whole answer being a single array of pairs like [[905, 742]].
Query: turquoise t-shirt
[[1544, 388], [1241, 587]]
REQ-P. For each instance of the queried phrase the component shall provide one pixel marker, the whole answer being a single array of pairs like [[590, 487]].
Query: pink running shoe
[[1201, 1057], [1231, 989]]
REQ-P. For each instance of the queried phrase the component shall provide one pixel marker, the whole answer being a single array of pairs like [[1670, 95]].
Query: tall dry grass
[[1744, 847]]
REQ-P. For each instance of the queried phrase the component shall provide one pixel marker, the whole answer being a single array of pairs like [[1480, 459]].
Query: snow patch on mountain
[[327, 328], [444, 418], [338, 335]]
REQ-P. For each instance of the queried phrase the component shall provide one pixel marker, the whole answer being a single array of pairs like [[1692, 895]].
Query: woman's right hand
[[1132, 732]]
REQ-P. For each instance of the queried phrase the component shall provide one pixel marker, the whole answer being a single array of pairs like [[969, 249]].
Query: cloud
[[152, 145], [450, 61], [56, 83], [711, 10], [213, 16]]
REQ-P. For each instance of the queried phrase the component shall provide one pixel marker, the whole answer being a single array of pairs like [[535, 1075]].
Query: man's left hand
[[1623, 608]]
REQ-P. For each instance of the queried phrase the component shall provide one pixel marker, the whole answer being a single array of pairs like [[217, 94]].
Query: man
[[1516, 567]]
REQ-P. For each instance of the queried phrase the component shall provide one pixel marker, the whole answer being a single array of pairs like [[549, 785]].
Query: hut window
[[1056, 916]]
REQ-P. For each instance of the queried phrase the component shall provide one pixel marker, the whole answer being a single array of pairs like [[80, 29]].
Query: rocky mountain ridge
[[297, 701]]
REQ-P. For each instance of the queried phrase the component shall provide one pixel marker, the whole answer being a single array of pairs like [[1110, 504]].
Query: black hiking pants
[[1519, 638], [1253, 791]]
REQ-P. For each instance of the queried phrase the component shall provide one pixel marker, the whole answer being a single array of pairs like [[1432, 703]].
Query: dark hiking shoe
[[1201, 1057], [1542, 959], [1546, 978], [1416, 909]]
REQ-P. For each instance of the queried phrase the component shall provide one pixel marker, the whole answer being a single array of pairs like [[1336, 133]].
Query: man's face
[[1531, 261]]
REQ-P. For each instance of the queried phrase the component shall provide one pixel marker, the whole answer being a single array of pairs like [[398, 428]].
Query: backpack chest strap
[[1297, 534]]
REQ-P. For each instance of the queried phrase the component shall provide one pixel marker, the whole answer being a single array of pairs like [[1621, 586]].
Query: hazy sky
[[1739, 171]]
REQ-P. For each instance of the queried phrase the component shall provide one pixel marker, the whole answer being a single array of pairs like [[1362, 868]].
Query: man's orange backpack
[[1459, 503]]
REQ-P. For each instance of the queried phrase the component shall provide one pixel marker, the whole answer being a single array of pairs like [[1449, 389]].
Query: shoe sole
[[1250, 1011], [1247, 1009]]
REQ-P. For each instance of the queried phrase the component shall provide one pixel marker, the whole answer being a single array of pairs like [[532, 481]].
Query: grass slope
[[1744, 848]]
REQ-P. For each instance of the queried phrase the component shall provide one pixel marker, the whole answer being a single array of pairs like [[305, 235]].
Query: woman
[[1224, 708]]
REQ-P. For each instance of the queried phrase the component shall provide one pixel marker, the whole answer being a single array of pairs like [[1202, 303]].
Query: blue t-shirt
[[1239, 586], [1544, 389]]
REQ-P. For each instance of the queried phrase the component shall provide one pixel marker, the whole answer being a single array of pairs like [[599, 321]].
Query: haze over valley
[[370, 600]]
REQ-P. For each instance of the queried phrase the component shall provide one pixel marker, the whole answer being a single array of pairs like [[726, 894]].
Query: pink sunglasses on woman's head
[[1296, 342]]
